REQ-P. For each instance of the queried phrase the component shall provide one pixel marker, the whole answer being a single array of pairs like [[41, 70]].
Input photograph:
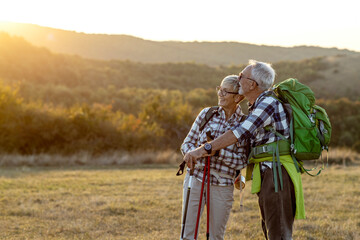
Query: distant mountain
[[124, 47], [36, 68]]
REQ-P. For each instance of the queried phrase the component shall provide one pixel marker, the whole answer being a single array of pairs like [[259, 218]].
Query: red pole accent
[[199, 209], [208, 198]]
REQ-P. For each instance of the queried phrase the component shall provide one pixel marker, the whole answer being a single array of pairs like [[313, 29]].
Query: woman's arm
[[190, 142]]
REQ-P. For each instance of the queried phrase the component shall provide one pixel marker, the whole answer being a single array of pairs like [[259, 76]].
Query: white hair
[[233, 81], [263, 73]]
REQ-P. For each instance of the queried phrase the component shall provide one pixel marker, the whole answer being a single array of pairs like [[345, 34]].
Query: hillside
[[340, 79], [330, 77], [123, 47]]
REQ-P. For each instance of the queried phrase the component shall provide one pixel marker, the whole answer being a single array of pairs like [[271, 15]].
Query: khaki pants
[[221, 200]]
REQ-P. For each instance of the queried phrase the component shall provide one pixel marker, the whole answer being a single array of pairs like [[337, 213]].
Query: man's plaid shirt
[[230, 159], [266, 111]]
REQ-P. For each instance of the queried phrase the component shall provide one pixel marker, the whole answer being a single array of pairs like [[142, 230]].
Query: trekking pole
[[208, 199], [240, 184], [200, 202], [209, 138], [206, 171], [186, 203]]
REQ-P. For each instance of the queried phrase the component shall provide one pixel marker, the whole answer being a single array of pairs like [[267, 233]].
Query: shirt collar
[[263, 94], [238, 112]]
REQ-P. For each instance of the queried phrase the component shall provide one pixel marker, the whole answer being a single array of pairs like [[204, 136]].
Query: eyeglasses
[[222, 92], [241, 76]]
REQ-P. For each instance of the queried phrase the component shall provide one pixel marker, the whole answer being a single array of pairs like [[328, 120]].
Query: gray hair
[[263, 73], [233, 81]]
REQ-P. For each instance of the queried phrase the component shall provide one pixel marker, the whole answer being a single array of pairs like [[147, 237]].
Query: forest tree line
[[52, 103], [162, 122]]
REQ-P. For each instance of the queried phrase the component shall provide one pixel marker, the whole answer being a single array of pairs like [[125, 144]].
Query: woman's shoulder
[[204, 111]]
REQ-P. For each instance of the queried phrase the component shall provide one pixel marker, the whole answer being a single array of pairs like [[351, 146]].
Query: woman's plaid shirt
[[230, 159], [266, 111]]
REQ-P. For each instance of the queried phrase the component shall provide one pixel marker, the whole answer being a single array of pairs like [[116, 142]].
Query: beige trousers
[[221, 200]]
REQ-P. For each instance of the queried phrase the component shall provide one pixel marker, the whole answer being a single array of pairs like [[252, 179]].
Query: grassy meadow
[[144, 202]]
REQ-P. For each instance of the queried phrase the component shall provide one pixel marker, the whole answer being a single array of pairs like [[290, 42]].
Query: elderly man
[[278, 207]]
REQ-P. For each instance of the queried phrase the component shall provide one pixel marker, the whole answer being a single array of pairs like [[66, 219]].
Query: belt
[[216, 174]]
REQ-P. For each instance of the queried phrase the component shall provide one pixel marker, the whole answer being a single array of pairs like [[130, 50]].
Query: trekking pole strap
[[181, 169]]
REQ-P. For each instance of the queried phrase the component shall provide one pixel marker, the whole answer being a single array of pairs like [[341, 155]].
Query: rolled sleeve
[[258, 118], [242, 131], [236, 133]]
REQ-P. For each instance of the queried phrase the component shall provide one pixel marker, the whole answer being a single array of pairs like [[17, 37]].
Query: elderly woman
[[223, 165]]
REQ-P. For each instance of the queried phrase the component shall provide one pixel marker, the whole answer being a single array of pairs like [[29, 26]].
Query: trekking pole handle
[[209, 137], [192, 171]]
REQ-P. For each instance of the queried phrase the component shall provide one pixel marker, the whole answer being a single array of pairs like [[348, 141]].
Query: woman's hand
[[191, 157]]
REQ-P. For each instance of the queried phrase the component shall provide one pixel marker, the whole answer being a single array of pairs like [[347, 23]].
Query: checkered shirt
[[264, 112], [230, 159]]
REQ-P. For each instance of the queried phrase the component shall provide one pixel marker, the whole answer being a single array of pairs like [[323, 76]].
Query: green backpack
[[310, 128]]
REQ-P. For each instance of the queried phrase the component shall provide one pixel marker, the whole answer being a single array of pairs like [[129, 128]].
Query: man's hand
[[191, 157]]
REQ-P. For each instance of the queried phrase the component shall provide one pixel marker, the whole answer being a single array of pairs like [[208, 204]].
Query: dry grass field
[[144, 202]]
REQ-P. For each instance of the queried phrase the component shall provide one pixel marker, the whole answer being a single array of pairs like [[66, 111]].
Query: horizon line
[[172, 40]]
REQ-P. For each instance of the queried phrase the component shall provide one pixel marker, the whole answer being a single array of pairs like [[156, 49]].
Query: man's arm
[[258, 118], [223, 141]]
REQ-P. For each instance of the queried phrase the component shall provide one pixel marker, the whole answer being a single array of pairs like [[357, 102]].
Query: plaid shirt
[[264, 112], [230, 159]]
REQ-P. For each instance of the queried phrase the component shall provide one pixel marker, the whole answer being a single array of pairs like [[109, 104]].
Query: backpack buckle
[[292, 148], [311, 117], [262, 149]]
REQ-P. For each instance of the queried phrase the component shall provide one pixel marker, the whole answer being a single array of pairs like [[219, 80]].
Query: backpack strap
[[288, 110], [279, 147], [209, 114]]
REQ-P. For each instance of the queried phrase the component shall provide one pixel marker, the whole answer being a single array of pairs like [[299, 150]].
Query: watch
[[208, 148]]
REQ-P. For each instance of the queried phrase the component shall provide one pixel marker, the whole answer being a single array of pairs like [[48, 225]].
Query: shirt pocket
[[227, 158]]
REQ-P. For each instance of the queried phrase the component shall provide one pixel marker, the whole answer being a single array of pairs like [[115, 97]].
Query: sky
[[324, 23]]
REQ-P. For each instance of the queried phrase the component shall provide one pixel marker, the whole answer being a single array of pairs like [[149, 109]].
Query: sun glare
[[273, 22]]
